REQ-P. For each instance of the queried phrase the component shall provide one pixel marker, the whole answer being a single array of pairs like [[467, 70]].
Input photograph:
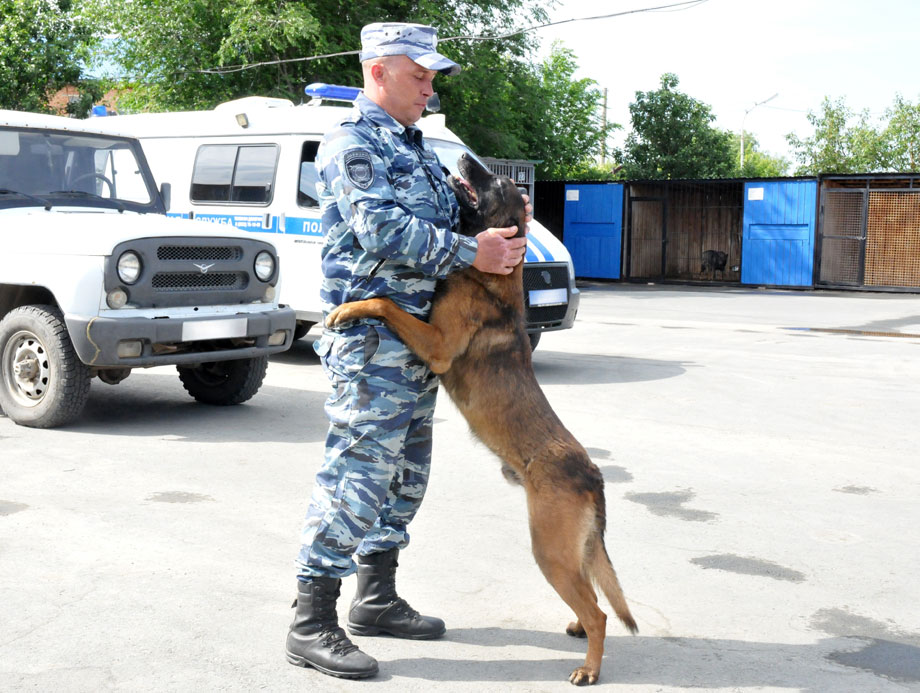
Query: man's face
[[405, 88]]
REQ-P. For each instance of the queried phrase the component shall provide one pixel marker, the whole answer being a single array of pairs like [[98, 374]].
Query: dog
[[714, 261], [476, 341]]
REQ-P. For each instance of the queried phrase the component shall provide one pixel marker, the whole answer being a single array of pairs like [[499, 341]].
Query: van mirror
[[166, 194]]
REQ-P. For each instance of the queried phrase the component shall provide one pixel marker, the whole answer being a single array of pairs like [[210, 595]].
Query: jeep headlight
[[129, 267], [265, 265]]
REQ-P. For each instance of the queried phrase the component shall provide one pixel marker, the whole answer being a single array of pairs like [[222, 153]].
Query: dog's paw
[[576, 630], [339, 316], [583, 676]]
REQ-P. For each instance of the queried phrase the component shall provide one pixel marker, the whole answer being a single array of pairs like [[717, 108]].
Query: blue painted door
[[778, 244], [593, 229]]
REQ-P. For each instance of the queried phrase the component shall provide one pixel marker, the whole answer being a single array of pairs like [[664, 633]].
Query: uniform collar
[[381, 118]]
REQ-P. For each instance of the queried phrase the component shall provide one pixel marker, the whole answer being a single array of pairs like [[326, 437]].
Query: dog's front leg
[[425, 340]]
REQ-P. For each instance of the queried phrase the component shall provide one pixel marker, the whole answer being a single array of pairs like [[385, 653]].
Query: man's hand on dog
[[499, 252]]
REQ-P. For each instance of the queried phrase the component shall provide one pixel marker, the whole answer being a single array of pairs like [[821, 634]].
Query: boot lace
[[400, 607], [334, 639]]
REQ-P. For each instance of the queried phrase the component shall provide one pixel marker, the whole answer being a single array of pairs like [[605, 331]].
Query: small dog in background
[[714, 261]]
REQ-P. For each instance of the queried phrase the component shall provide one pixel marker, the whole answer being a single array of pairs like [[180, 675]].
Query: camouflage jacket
[[387, 213]]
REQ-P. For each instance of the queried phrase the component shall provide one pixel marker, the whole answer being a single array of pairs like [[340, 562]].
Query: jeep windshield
[[51, 169]]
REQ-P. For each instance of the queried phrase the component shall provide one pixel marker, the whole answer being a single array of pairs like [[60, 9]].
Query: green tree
[[672, 137], [757, 164], [569, 131], [902, 136], [502, 104], [842, 142], [180, 54], [42, 44], [165, 47]]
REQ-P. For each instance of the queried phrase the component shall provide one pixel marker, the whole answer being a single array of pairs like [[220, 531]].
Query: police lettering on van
[[250, 163]]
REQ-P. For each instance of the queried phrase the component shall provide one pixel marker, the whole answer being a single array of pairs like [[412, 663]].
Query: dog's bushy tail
[[604, 576]]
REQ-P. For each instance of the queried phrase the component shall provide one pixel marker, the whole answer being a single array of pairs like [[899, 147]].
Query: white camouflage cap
[[418, 41]]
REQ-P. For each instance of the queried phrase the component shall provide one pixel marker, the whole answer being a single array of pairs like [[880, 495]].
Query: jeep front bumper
[[138, 342]]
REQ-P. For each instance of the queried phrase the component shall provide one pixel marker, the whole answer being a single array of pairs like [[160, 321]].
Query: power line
[[675, 6], [683, 5]]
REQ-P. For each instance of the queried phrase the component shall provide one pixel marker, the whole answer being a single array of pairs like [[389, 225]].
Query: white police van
[[250, 163]]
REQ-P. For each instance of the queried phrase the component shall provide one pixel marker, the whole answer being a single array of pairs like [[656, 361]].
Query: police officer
[[388, 217]]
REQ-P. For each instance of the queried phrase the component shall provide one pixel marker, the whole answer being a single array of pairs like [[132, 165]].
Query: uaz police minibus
[[250, 163]]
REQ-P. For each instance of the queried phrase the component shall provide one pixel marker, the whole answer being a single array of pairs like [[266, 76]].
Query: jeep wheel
[[224, 382], [42, 381]]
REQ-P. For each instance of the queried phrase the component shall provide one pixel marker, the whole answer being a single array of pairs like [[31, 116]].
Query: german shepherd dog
[[476, 341]]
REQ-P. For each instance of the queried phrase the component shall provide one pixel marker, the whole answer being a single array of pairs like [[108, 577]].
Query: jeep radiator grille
[[197, 252], [191, 271], [188, 281]]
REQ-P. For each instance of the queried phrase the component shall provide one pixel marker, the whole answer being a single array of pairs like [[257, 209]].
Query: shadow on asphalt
[[275, 414], [561, 368], [154, 404], [300, 353], [704, 663]]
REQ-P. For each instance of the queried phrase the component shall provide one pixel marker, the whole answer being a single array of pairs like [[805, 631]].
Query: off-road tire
[[224, 383], [54, 389]]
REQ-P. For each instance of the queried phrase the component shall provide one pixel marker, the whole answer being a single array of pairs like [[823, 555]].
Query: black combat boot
[[315, 638], [378, 609]]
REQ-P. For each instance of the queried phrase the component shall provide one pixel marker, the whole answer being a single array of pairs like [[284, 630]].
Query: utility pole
[[759, 103], [604, 124]]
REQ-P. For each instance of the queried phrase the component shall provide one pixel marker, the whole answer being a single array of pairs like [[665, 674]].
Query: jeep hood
[[83, 231]]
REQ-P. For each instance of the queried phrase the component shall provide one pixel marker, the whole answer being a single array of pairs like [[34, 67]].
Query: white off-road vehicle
[[95, 280]]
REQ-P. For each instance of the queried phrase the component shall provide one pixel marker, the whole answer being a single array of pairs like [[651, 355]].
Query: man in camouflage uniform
[[388, 217]]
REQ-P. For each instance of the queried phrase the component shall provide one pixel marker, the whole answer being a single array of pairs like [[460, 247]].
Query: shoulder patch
[[359, 169]]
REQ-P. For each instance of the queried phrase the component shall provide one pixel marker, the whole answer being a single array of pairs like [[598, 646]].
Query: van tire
[[51, 385], [224, 383], [534, 338], [301, 329]]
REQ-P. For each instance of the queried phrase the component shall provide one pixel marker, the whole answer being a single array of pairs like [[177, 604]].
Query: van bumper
[[567, 320], [550, 297], [105, 342]]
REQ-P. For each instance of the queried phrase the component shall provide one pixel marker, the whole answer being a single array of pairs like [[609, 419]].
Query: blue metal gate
[[778, 243], [593, 228]]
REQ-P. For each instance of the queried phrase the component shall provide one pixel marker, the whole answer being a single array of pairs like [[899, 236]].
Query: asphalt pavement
[[760, 450]]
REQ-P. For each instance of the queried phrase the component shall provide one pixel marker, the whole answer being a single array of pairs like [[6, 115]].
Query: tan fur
[[476, 341]]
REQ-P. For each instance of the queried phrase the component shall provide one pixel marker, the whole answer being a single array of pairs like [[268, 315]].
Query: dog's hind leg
[[558, 532], [575, 629]]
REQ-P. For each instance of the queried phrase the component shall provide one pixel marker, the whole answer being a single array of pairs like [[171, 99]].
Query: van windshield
[[449, 154], [40, 167]]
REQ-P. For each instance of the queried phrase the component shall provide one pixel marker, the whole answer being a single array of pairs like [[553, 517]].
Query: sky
[[732, 54]]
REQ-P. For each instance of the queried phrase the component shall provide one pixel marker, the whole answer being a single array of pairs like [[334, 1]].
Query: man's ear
[[377, 73]]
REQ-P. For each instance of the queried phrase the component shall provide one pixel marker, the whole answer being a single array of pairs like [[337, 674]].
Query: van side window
[[306, 188], [234, 173]]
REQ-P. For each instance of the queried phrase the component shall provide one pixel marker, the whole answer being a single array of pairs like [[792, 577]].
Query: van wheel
[[301, 329], [43, 383], [223, 383], [534, 338]]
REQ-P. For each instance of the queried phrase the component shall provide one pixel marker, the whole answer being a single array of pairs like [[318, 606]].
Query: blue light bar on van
[[332, 92]]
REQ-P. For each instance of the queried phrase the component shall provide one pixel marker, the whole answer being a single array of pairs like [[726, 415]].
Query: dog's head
[[486, 200]]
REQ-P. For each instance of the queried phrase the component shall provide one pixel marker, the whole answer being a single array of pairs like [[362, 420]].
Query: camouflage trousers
[[378, 449]]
